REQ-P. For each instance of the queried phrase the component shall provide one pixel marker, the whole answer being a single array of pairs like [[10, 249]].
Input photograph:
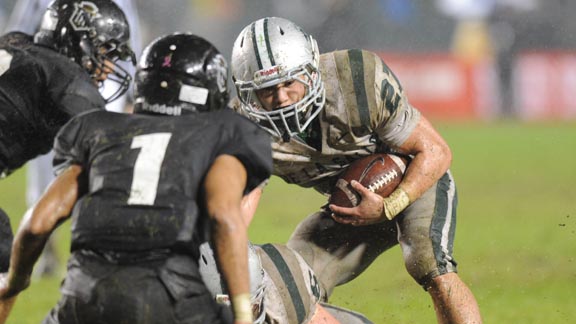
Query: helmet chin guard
[[271, 51]]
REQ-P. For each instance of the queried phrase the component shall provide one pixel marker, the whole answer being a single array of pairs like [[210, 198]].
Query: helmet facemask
[[267, 53], [289, 120], [107, 59], [94, 34]]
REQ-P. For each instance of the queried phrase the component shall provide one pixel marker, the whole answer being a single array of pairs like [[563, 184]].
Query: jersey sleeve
[[365, 98], [252, 146], [68, 148], [394, 118], [69, 86], [81, 96]]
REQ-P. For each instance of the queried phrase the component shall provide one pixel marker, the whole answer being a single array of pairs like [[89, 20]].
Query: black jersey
[[40, 90], [144, 174]]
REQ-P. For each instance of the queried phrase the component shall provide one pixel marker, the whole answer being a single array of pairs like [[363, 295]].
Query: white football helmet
[[271, 51], [213, 280]]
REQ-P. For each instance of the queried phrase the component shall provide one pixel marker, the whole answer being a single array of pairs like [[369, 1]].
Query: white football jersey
[[366, 111]]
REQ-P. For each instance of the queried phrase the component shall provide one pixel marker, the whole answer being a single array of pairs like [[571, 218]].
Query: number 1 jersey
[[143, 174]]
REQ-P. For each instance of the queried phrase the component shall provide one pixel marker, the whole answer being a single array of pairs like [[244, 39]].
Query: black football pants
[[100, 293]]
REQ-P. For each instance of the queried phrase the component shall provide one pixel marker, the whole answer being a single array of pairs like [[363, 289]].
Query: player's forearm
[[5, 308], [231, 240], [26, 250], [48, 213], [431, 159], [224, 185], [424, 171]]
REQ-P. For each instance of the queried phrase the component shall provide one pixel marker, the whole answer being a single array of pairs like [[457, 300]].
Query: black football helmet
[[180, 73], [90, 33]]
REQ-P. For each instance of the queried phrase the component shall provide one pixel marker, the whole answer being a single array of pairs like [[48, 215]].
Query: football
[[381, 173]]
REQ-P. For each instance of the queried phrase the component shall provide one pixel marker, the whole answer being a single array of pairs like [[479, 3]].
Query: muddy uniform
[[40, 90], [136, 232], [293, 291], [366, 111]]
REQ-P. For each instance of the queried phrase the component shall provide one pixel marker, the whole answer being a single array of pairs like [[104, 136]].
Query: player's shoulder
[[95, 119], [23, 45], [346, 53], [16, 55], [97, 114], [16, 40], [229, 117], [351, 63], [78, 127]]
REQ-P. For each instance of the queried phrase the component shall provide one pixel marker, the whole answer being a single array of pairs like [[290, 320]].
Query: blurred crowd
[[478, 29], [414, 25]]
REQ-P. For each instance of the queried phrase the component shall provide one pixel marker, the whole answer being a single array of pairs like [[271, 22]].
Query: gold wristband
[[395, 203], [242, 308]]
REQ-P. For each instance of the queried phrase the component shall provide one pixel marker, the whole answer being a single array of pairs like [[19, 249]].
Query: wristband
[[242, 308], [395, 203]]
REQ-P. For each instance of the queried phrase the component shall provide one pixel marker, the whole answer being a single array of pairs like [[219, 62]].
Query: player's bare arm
[[431, 159], [5, 304], [54, 207], [224, 185]]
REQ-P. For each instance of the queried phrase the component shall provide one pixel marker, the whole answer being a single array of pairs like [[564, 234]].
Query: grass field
[[515, 243]]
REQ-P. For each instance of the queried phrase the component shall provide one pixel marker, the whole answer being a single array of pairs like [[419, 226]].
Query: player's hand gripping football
[[372, 208], [369, 210]]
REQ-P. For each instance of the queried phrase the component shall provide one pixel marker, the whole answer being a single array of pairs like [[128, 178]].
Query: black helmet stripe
[[261, 43]]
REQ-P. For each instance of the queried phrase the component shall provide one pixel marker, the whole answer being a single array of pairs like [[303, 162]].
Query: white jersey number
[[147, 167]]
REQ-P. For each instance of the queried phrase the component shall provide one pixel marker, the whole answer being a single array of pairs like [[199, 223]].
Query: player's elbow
[[446, 157], [39, 226], [228, 220], [42, 221]]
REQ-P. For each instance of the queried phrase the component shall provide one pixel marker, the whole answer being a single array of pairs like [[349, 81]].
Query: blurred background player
[[26, 17], [147, 188], [284, 289], [46, 80], [324, 111]]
